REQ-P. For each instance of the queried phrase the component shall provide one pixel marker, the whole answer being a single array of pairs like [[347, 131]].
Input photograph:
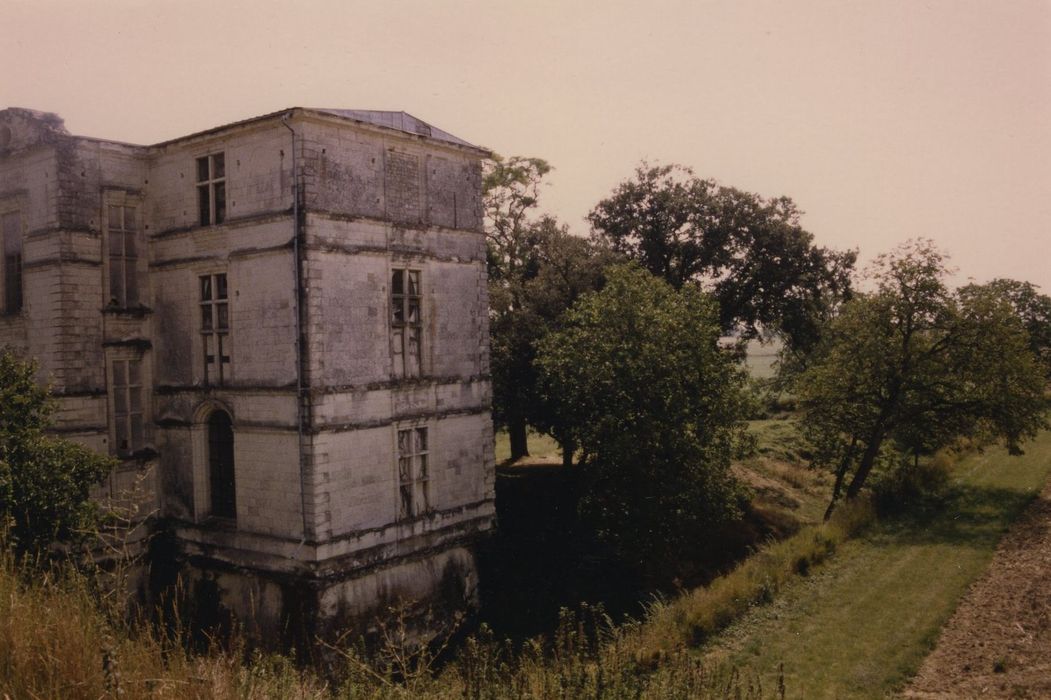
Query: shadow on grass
[[968, 516]]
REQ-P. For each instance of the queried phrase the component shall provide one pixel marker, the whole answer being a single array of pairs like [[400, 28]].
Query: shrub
[[44, 481]]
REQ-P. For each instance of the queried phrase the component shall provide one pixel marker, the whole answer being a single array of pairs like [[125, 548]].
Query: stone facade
[[280, 327]]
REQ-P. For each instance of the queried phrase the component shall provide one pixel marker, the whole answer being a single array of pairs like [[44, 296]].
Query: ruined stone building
[[279, 326]]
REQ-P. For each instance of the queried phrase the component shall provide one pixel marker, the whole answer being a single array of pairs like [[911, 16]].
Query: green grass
[[542, 448], [779, 475], [860, 626]]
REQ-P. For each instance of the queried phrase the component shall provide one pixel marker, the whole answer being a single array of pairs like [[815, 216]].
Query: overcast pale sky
[[883, 120]]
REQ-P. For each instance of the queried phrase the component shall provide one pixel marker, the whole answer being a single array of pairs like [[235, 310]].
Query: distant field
[[541, 448], [861, 626], [761, 358]]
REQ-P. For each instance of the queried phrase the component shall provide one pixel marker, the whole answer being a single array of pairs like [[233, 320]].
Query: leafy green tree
[[44, 481], [750, 252], [637, 379], [1032, 307], [912, 366]]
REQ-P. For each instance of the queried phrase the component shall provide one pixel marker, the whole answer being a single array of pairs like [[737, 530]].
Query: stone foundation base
[[425, 595]]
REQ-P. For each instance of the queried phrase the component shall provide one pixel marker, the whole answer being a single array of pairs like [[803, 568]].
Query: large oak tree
[[750, 252]]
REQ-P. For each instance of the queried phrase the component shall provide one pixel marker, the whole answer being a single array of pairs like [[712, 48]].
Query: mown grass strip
[[861, 626]]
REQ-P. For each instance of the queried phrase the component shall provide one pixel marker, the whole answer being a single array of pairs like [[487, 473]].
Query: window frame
[[403, 324], [121, 392], [214, 326], [412, 470], [17, 305], [210, 184], [137, 260]]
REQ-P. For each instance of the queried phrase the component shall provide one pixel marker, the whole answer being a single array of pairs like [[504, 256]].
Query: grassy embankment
[[847, 617], [861, 626]]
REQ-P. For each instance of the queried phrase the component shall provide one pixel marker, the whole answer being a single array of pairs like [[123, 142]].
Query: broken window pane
[[412, 352], [223, 318], [224, 348], [220, 202], [204, 206], [406, 501], [202, 169], [122, 435], [206, 288], [136, 432], [116, 279], [131, 295], [218, 166]]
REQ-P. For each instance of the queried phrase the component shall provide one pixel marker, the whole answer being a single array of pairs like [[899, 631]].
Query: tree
[[537, 269], [511, 189], [912, 366], [1032, 307], [749, 251], [637, 380], [44, 481], [562, 268]]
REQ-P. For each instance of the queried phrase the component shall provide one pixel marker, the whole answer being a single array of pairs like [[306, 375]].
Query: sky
[[884, 120]]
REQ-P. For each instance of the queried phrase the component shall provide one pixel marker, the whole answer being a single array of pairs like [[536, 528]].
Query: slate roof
[[401, 121], [398, 121]]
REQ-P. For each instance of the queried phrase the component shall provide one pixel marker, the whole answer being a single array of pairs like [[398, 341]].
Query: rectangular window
[[406, 322], [215, 328], [122, 229], [129, 434], [412, 472], [211, 189], [11, 228]]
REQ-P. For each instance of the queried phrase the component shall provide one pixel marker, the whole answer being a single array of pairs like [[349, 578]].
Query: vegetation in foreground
[[56, 642]]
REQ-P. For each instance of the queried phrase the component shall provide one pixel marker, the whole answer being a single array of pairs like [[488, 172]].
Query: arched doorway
[[221, 465]]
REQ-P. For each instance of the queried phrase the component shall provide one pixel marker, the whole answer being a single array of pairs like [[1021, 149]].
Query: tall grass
[[56, 642]]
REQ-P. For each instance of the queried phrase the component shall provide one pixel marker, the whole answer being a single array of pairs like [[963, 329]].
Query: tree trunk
[[568, 448], [868, 459], [841, 474], [516, 430]]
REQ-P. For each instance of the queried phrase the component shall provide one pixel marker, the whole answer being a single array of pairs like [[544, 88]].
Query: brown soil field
[[998, 642]]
